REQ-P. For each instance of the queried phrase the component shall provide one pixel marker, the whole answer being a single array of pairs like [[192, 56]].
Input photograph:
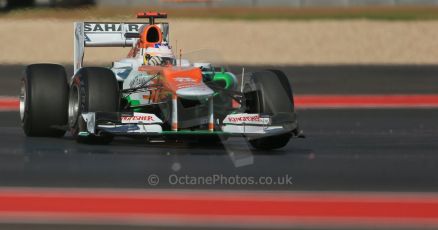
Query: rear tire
[[93, 89], [269, 92], [44, 100]]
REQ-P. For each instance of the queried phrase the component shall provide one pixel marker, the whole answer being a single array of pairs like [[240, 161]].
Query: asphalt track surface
[[384, 150], [371, 150]]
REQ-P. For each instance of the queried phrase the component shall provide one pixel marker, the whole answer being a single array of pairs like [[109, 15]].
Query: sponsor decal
[[112, 27], [185, 82], [139, 81], [255, 118], [87, 39], [158, 45], [140, 118], [240, 119]]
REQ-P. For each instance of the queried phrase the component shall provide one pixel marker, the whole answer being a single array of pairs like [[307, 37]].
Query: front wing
[[146, 124]]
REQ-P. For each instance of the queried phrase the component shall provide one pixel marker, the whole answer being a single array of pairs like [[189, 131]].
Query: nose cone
[[195, 93]]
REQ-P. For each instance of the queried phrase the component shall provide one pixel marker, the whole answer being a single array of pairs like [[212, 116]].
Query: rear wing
[[107, 34]]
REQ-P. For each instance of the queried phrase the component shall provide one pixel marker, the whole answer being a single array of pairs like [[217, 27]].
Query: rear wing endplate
[[107, 34]]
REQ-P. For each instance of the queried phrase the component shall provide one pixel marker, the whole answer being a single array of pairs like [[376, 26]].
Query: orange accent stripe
[[324, 208], [325, 101], [367, 101], [9, 103]]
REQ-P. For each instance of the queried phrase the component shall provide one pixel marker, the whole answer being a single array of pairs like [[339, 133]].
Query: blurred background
[[215, 3], [365, 81], [285, 31]]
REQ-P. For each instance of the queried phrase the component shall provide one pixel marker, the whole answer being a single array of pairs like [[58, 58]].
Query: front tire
[[44, 100], [269, 92], [93, 89]]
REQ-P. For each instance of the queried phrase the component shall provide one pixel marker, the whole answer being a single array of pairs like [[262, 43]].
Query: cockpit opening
[[153, 35]]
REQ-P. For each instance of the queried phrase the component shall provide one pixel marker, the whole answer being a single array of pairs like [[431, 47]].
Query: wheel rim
[[23, 99], [73, 106]]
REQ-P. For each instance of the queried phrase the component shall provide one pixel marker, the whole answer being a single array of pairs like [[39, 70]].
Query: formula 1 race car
[[153, 94]]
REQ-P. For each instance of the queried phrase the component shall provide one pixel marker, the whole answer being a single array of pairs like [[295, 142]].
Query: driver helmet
[[159, 55]]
